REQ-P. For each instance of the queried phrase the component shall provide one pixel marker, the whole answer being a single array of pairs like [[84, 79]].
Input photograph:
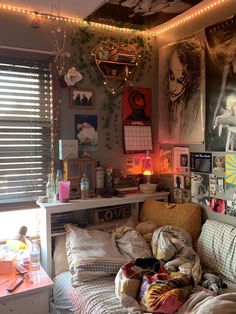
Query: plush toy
[[146, 228], [213, 282]]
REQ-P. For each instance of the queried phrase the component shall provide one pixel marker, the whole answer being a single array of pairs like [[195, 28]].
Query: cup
[[64, 191]]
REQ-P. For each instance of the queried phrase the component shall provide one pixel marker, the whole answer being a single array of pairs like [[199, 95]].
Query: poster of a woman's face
[[181, 92]]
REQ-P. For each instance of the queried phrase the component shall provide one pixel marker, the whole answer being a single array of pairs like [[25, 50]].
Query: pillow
[[59, 255], [186, 216], [91, 254], [131, 243]]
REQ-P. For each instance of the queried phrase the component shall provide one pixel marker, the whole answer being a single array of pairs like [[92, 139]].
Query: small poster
[[200, 162], [165, 159], [220, 185], [181, 160], [86, 130], [217, 205], [187, 182], [178, 196], [186, 196], [199, 188], [218, 163], [230, 176]]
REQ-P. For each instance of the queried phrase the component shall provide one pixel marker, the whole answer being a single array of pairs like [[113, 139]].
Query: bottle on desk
[[84, 187], [59, 177], [35, 256], [99, 179], [50, 188]]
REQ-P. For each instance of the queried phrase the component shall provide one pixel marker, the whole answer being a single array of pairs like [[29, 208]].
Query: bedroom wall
[[223, 12], [20, 34]]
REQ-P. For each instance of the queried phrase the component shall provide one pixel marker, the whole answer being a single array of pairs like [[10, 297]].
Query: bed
[[94, 283]]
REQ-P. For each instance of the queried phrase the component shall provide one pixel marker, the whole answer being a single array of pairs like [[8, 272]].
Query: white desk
[[48, 209]]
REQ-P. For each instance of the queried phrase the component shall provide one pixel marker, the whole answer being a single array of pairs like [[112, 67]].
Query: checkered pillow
[[216, 248]]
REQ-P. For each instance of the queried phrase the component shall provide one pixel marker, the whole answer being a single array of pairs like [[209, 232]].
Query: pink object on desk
[[64, 191]]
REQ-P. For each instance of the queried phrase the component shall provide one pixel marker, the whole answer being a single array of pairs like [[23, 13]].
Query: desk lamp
[[147, 167]]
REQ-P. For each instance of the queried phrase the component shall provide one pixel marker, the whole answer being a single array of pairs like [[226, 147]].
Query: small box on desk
[[68, 149], [7, 266]]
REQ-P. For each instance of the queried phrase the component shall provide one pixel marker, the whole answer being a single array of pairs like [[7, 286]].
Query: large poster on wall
[[221, 86], [181, 92]]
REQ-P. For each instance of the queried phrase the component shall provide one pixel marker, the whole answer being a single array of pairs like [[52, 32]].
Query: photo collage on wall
[[201, 110]]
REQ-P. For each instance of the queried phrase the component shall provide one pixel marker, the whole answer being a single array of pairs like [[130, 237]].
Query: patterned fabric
[[92, 297], [216, 248]]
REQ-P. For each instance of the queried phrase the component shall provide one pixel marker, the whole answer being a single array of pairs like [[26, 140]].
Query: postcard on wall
[[86, 130], [200, 188], [165, 158], [178, 181], [220, 185], [212, 184], [200, 162], [218, 163], [186, 196], [181, 160], [187, 182], [217, 205], [231, 208], [230, 176], [178, 196], [134, 165]]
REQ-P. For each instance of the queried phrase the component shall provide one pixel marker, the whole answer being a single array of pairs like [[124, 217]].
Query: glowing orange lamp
[[147, 167]]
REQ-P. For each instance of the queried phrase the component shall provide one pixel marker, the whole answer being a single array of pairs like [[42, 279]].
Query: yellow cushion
[[186, 216]]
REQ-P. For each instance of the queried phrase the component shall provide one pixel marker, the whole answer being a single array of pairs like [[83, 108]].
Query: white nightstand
[[31, 296]]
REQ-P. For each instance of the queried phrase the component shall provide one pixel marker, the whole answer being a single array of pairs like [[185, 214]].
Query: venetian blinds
[[25, 129]]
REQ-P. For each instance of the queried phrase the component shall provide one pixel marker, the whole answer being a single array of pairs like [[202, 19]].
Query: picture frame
[[81, 98]]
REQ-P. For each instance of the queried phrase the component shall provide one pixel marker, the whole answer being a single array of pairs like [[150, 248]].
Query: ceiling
[[138, 14]]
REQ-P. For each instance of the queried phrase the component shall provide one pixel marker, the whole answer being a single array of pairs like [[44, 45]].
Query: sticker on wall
[[220, 86], [181, 92], [165, 158], [200, 188], [200, 162], [217, 205], [231, 208]]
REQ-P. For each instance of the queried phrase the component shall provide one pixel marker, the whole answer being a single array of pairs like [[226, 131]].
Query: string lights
[[197, 13]]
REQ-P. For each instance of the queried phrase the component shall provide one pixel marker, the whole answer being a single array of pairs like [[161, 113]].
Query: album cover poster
[[200, 188], [200, 162]]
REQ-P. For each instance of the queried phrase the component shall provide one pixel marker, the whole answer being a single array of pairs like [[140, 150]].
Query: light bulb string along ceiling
[[169, 26]]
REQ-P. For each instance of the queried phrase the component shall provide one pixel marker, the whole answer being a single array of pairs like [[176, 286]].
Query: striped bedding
[[95, 297]]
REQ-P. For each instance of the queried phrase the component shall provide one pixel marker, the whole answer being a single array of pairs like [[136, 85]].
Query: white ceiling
[[70, 8]]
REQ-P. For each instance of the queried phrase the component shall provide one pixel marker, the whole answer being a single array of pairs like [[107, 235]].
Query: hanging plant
[[86, 45]]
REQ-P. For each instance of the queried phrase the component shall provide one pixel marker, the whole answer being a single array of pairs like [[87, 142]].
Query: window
[[25, 129]]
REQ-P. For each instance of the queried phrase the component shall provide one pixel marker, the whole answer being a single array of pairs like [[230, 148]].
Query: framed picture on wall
[[81, 98]]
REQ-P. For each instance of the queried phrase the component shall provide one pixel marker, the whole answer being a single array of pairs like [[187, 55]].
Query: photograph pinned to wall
[[218, 163], [212, 184], [200, 188], [165, 154], [231, 208], [136, 104], [81, 98], [217, 205], [187, 182], [181, 160], [201, 162], [181, 89], [178, 196], [230, 176], [86, 130], [186, 196], [220, 185], [178, 181], [220, 86]]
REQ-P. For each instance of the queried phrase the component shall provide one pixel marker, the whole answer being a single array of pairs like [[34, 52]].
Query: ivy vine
[[84, 40]]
